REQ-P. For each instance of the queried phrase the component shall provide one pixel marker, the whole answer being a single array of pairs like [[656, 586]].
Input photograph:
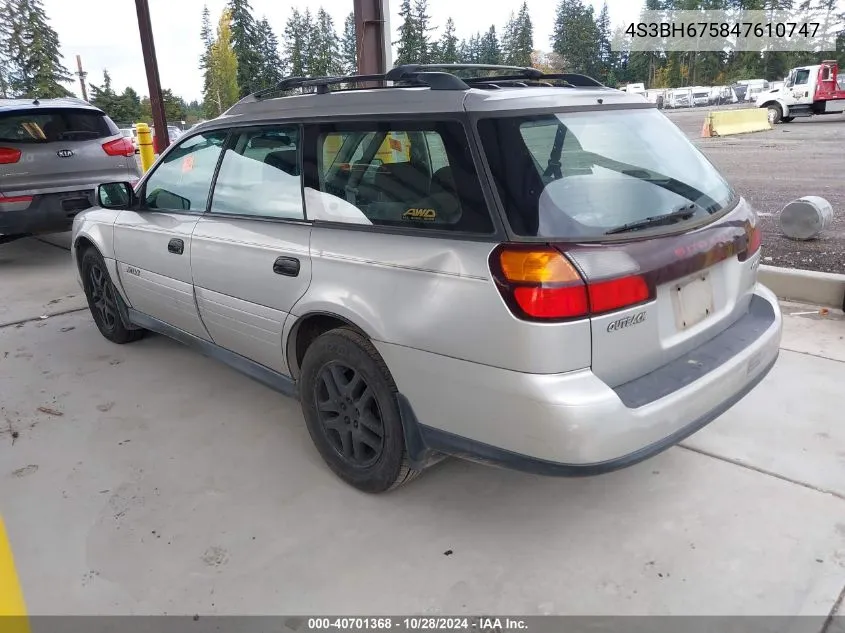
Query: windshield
[[582, 175]]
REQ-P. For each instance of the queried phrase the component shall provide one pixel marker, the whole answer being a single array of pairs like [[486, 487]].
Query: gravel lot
[[805, 157]]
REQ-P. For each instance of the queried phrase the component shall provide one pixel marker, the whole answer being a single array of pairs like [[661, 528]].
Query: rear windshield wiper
[[679, 215]]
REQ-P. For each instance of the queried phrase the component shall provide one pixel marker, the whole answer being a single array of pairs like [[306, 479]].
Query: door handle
[[287, 266], [176, 246]]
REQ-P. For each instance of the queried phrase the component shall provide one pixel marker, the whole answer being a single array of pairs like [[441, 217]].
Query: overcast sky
[[176, 26]]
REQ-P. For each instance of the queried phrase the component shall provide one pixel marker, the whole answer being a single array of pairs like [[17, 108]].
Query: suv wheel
[[102, 300], [350, 407]]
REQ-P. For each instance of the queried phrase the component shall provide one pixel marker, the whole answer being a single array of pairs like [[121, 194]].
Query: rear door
[[153, 245], [250, 252], [62, 149]]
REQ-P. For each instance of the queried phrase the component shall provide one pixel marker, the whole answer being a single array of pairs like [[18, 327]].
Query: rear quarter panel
[[435, 295]]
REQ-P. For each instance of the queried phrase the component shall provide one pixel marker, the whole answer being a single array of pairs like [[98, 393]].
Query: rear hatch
[[664, 250], [61, 148]]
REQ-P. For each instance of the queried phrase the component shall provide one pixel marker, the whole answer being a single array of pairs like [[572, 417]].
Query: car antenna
[[36, 102]]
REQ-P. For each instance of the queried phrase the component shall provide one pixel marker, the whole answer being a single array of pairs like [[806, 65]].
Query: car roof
[[7, 105], [418, 101]]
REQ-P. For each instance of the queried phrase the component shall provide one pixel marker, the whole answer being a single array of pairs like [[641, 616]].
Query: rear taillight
[[120, 147], [615, 294], [9, 155], [11, 199], [755, 239], [541, 283]]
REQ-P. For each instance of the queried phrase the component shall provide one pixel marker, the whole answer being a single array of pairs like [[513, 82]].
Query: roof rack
[[434, 76]]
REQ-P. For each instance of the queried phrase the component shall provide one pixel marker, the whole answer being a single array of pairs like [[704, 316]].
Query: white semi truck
[[807, 91]]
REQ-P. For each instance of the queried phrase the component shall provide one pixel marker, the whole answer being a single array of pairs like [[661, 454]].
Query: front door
[[153, 245], [250, 253]]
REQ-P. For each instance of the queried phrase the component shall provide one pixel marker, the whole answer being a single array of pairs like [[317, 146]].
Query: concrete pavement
[[148, 479]]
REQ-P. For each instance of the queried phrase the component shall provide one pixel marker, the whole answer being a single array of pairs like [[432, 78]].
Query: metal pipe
[[372, 35], [153, 82]]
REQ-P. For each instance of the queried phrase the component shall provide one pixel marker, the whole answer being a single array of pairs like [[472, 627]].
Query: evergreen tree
[[470, 50], [522, 44], [174, 107], [447, 49], [508, 37], [349, 46], [576, 37], [222, 88], [147, 111], [408, 43], [423, 27], [489, 52], [246, 44], [605, 53], [310, 40], [207, 37], [32, 59], [296, 44], [270, 72], [127, 107], [104, 97], [326, 47], [7, 22]]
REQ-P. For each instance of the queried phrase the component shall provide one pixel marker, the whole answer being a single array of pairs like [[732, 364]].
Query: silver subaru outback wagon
[[526, 270]]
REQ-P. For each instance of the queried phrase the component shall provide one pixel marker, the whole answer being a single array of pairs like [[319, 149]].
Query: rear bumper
[[46, 213], [574, 424]]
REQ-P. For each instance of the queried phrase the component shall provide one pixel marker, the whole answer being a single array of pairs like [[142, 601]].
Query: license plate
[[693, 301]]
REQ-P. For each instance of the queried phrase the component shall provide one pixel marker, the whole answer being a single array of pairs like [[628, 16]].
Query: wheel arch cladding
[[82, 244], [306, 330]]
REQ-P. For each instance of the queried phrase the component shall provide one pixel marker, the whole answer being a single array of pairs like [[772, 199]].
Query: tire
[[102, 300], [775, 113], [352, 414]]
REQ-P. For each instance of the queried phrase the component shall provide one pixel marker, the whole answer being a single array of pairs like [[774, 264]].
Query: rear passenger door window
[[260, 175], [398, 174]]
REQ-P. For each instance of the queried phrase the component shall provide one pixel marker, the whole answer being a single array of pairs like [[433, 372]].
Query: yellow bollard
[[145, 146], [13, 618]]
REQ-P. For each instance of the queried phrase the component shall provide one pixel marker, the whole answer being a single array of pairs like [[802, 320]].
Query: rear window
[[48, 125], [585, 174]]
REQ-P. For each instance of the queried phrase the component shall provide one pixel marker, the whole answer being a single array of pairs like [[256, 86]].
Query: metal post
[[156, 100], [372, 34], [81, 74]]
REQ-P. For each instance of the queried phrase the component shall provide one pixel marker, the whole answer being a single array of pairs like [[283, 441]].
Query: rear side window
[[50, 125], [586, 174], [401, 174], [182, 181]]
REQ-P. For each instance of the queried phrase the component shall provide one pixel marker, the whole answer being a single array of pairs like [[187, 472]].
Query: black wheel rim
[[103, 302], [349, 415]]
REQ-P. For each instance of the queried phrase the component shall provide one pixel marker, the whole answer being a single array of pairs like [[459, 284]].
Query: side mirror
[[116, 195]]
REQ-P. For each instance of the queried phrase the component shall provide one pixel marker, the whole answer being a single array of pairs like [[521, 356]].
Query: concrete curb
[[805, 286]]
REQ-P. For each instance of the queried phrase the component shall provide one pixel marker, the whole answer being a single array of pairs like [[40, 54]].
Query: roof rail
[[434, 76]]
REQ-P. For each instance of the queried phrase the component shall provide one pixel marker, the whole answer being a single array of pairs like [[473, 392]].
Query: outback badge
[[619, 324]]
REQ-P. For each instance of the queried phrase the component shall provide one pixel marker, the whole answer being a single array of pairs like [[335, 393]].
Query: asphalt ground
[[772, 168]]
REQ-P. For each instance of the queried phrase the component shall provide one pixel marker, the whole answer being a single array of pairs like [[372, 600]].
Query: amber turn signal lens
[[537, 266]]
